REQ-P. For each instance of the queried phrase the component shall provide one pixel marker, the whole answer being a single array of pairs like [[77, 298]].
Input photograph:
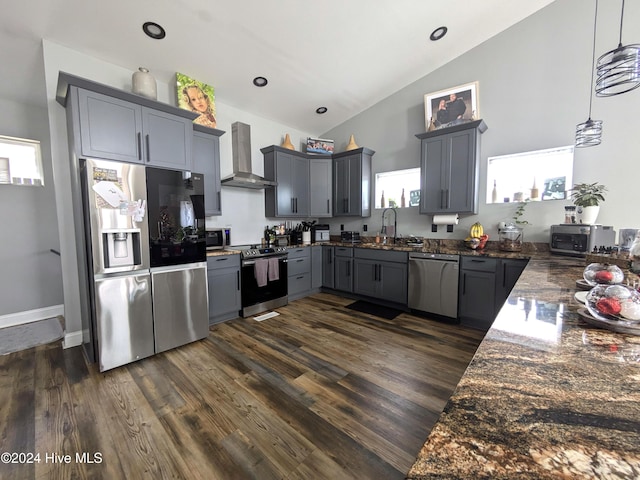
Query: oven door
[[263, 297]]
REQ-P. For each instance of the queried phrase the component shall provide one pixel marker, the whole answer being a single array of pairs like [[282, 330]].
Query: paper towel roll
[[446, 219]]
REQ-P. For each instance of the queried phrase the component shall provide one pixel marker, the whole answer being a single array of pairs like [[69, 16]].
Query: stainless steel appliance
[[129, 290], [263, 278], [576, 239], [349, 236], [320, 233], [433, 283], [217, 238]]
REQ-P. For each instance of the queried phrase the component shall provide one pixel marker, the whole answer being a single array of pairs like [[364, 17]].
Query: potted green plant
[[587, 197]]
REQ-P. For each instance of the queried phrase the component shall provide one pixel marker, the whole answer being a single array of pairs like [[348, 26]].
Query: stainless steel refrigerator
[[140, 306]]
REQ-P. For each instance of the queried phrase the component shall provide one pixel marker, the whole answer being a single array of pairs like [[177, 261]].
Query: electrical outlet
[[342, 226], [364, 227]]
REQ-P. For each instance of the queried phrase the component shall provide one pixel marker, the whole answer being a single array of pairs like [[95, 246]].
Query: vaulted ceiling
[[345, 55]]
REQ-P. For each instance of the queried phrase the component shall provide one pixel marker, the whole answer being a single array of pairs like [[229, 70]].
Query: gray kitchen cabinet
[[316, 267], [328, 261], [206, 160], [299, 272], [477, 291], [115, 129], [320, 187], [509, 270], [223, 274], [381, 274], [343, 269], [450, 169], [290, 169], [352, 183]]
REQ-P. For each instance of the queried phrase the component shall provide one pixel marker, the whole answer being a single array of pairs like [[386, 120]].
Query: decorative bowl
[[614, 302], [602, 274], [473, 243]]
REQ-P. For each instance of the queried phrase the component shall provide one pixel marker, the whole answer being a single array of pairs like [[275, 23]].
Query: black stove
[[256, 251]]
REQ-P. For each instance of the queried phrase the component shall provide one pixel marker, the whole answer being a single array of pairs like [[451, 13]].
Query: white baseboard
[[29, 316], [72, 339]]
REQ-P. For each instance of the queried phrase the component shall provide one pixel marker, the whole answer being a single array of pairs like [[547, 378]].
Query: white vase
[[143, 83], [588, 215]]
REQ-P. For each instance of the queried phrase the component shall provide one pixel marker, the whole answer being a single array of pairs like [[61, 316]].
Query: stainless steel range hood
[[241, 152]]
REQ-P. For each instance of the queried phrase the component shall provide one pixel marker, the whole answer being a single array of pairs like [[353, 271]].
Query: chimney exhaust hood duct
[[241, 153]]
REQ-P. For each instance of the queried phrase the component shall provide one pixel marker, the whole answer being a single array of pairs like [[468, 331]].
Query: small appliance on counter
[[577, 239], [218, 238], [347, 236], [320, 233]]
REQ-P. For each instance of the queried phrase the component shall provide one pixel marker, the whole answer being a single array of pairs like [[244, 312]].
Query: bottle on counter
[[494, 193], [402, 200], [382, 200]]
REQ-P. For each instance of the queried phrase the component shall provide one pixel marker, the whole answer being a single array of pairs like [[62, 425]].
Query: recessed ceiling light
[[438, 33], [260, 82], [154, 30], [321, 110]]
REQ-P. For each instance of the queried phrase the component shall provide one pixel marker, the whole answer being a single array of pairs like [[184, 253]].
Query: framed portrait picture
[[319, 146], [452, 106], [197, 97]]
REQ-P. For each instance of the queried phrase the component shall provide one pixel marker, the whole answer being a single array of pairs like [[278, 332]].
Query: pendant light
[[589, 133], [619, 69]]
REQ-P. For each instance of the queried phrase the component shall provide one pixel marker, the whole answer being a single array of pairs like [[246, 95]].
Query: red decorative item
[[483, 241], [609, 306], [604, 276]]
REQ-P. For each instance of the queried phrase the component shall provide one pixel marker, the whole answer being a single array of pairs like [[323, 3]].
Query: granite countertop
[[546, 396]]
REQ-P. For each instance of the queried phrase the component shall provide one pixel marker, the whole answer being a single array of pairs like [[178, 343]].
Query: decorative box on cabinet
[[381, 274], [206, 160], [116, 129], [352, 183], [450, 169], [223, 275]]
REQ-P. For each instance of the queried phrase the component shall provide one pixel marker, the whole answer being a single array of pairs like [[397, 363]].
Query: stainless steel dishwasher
[[433, 283]]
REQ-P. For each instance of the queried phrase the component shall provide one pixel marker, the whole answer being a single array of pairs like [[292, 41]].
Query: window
[[539, 175], [20, 161], [394, 185]]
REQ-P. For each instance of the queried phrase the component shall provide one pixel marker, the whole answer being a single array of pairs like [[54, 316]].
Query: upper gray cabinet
[[304, 183], [352, 183], [115, 129], [116, 125], [206, 160], [450, 169]]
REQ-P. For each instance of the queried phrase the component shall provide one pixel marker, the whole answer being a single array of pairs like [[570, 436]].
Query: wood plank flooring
[[319, 392]]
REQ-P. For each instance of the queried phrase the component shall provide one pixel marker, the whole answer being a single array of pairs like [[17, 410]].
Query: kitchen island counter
[[545, 396]]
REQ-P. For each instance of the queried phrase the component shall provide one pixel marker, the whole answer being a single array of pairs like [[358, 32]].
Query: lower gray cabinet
[[343, 269], [328, 261], [485, 284], [299, 272], [381, 274], [223, 273]]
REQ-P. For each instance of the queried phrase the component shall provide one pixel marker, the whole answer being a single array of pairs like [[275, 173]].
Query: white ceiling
[[343, 54]]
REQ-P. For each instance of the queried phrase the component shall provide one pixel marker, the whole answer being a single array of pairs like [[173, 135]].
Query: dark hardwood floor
[[319, 392]]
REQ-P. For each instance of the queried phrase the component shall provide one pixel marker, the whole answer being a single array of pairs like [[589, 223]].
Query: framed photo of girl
[[197, 97], [452, 106]]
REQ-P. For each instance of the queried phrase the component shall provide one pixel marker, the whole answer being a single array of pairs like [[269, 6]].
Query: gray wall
[[30, 276], [533, 90]]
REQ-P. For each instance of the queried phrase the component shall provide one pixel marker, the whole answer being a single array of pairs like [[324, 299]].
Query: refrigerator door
[[180, 305], [124, 319], [115, 203]]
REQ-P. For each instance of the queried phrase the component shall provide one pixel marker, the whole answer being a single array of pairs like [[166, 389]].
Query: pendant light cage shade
[[618, 71], [589, 133]]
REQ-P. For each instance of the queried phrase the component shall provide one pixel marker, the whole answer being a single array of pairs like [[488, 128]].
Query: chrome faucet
[[383, 230]]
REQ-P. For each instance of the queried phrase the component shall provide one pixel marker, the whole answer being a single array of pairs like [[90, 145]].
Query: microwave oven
[[578, 239], [218, 238]]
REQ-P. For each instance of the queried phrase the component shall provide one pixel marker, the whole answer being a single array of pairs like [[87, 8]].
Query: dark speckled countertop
[[545, 397]]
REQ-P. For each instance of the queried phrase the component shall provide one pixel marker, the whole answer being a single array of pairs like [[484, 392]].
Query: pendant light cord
[[621, 17], [593, 55]]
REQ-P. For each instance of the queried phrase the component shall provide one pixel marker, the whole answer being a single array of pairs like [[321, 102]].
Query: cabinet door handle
[[238, 279], [291, 204], [464, 283], [219, 206], [139, 146], [223, 259], [447, 198], [299, 278], [328, 209], [296, 203], [148, 149], [300, 260], [504, 274]]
